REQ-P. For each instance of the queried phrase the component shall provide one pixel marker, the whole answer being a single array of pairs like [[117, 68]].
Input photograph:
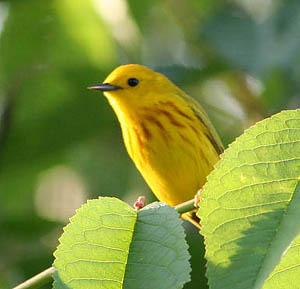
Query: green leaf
[[93, 250], [287, 271], [108, 245], [250, 208], [158, 253]]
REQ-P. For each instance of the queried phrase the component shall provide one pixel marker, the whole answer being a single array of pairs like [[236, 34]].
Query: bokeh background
[[60, 144]]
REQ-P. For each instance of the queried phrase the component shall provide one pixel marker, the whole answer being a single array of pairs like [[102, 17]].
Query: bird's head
[[133, 84]]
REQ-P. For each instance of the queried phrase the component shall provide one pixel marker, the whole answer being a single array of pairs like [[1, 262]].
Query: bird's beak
[[104, 87]]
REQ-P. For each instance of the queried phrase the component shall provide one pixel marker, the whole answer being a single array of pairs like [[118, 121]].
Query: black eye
[[133, 82]]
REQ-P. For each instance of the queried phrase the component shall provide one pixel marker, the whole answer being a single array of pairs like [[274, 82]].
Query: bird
[[167, 134]]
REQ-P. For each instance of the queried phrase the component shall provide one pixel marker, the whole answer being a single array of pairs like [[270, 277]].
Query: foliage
[[249, 212], [61, 145], [250, 207], [109, 245]]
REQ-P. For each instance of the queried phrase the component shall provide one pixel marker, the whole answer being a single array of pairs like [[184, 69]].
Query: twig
[[185, 207], [38, 280]]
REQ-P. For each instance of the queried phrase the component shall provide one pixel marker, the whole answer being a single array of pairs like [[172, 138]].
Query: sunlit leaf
[[108, 245], [250, 208]]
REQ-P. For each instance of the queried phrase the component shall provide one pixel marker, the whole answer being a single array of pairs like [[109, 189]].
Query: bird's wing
[[203, 118]]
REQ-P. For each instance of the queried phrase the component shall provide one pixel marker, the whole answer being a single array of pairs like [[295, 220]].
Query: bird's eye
[[133, 82]]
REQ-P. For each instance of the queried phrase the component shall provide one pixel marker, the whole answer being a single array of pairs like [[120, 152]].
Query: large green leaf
[[94, 248], [250, 208], [286, 273], [158, 254], [109, 245]]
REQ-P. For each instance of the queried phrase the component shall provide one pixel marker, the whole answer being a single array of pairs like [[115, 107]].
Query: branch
[[185, 207], [38, 280]]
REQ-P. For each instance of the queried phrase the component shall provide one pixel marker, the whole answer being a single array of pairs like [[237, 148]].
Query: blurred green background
[[60, 144]]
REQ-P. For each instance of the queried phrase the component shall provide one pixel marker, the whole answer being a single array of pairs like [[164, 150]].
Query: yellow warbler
[[167, 134]]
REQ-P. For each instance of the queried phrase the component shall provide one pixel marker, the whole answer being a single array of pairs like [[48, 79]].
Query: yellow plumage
[[167, 134]]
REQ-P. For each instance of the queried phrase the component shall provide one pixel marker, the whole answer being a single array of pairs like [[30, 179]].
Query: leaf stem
[[185, 207], [37, 280]]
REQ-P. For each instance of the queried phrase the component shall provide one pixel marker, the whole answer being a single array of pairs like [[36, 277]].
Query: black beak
[[104, 87]]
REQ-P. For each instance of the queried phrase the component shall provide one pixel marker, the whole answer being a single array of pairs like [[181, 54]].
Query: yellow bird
[[166, 132]]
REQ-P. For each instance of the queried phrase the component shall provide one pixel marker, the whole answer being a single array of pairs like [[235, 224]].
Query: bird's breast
[[169, 155], [170, 149]]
